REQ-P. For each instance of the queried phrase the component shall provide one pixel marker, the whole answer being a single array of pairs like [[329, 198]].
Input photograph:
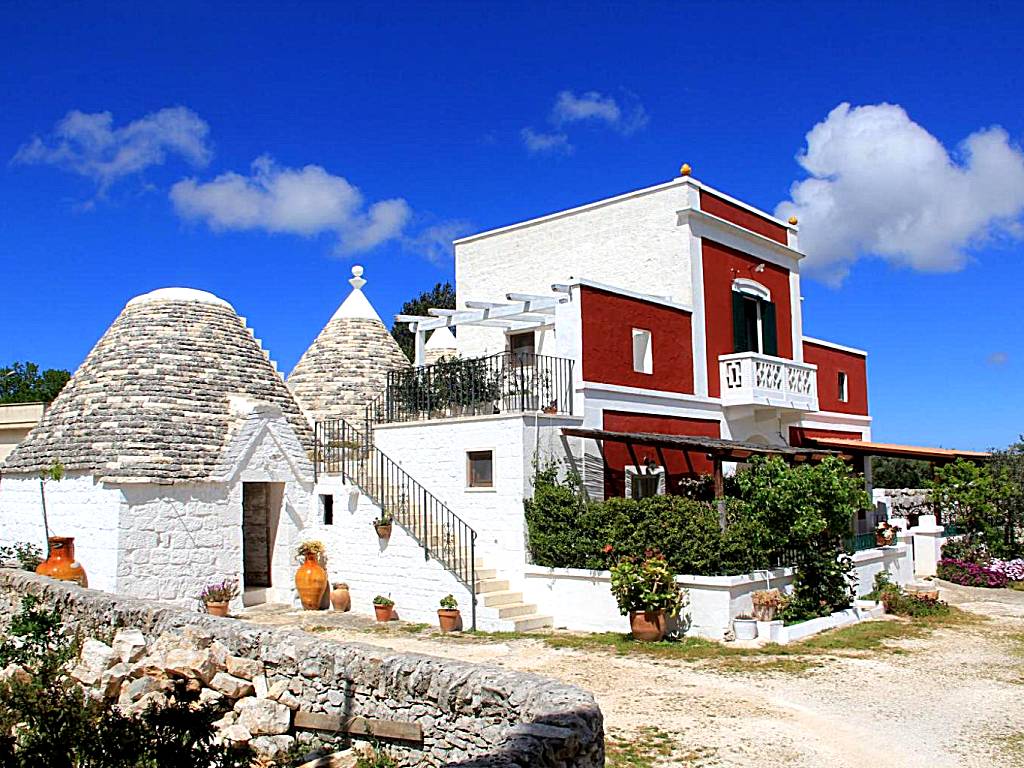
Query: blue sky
[[428, 120]]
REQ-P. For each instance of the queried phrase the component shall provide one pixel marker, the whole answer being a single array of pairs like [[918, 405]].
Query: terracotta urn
[[449, 619], [648, 626], [61, 563], [341, 600], [311, 582], [384, 612], [217, 609], [383, 531]]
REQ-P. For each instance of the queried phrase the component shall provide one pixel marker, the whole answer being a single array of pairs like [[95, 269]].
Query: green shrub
[[45, 721], [646, 584], [27, 555]]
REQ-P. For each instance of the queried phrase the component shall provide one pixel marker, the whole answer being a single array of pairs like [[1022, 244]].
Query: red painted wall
[[797, 435], [830, 362], [608, 321], [678, 464], [723, 209], [720, 261]]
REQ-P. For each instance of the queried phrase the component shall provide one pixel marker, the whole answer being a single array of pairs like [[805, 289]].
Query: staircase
[[342, 448]]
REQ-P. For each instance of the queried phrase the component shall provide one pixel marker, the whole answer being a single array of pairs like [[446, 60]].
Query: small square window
[[480, 469], [327, 504], [844, 393], [642, 358]]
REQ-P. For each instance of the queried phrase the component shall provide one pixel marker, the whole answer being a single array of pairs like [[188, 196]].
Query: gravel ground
[[947, 700]]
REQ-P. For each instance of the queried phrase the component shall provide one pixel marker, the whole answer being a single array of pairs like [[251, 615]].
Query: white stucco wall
[[164, 542], [76, 506], [372, 566], [582, 600], [625, 241]]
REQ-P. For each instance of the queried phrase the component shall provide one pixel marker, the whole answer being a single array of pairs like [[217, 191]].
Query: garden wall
[[471, 715], [582, 599]]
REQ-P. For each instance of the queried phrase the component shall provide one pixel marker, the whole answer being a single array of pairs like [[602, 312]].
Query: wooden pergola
[[850, 449], [716, 449]]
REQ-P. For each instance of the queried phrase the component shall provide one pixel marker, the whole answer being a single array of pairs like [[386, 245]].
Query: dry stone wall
[[471, 715]]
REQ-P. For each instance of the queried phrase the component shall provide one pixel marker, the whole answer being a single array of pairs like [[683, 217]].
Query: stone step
[[516, 609], [486, 573], [505, 597], [532, 622], [490, 585]]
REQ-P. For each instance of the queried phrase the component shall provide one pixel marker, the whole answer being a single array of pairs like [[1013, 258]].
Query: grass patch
[[1017, 585], [650, 747], [414, 628]]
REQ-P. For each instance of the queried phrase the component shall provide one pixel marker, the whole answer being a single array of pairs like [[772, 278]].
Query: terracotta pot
[[341, 600], [384, 612], [311, 582], [61, 563], [217, 609], [450, 619], [649, 626], [883, 540], [383, 531]]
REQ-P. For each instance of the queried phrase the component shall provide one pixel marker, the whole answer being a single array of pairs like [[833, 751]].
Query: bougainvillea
[[970, 574], [1011, 569]]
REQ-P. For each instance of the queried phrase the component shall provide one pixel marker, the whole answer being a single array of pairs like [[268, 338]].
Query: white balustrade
[[750, 378]]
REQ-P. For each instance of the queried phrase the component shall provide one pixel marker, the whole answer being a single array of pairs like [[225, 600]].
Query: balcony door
[[753, 324]]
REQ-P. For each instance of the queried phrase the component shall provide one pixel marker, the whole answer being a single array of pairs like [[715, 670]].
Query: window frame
[[469, 470], [647, 362], [843, 382], [631, 471]]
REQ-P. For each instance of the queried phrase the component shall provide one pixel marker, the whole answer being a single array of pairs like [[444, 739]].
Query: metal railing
[[506, 382], [342, 448]]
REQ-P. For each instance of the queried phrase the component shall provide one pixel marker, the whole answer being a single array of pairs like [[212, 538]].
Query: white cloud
[[434, 243], [302, 201], [88, 144], [626, 117], [881, 185], [538, 142], [595, 106], [998, 359]]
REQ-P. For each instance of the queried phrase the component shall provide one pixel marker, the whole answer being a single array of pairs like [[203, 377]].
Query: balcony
[[508, 382], [753, 379]]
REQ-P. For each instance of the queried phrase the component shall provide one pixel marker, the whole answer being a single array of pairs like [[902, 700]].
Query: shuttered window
[[753, 325]]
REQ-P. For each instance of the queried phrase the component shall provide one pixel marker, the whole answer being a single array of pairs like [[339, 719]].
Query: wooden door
[[256, 534]]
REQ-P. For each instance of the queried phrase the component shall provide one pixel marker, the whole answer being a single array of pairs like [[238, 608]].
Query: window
[[645, 482], [480, 469], [844, 391], [753, 324], [642, 357], [327, 504], [523, 346]]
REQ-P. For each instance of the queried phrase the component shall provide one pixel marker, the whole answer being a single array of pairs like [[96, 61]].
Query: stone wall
[[471, 715]]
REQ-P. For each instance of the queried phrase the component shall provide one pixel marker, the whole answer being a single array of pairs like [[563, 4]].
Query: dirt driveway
[[946, 699]]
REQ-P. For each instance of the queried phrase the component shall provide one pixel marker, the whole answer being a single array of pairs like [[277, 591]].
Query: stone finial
[[356, 281], [793, 220], [685, 170]]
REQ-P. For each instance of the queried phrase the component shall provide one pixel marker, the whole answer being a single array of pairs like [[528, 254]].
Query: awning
[[728, 450], [922, 453]]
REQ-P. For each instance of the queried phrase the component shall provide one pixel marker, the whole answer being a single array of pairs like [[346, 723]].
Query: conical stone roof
[[152, 401], [346, 366]]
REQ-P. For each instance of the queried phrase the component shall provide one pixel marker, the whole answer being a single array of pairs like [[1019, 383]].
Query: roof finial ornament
[[356, 281], [686, 170], [793, 220]]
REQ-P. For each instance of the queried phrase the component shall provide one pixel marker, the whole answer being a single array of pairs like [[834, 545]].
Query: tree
[[441, 296], [23, 383], [892, 472]]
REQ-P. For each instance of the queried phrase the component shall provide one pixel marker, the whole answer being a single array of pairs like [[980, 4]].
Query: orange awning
[[920, 452]]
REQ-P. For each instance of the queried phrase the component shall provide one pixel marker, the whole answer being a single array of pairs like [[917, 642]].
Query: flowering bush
[[223, 592], [1011, 569], [970, 574]]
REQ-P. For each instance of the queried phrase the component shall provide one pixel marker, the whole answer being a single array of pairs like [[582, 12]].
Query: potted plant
[[382, 525], [646, 591], [311, 578], [767, 604], [448, 615], [341, 600], [215, 597], [885, 534], [745, 627], [384, 607]]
